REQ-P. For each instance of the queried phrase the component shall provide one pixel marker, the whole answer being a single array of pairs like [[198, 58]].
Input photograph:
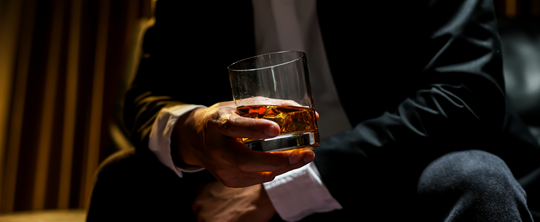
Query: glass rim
[[302, 54]]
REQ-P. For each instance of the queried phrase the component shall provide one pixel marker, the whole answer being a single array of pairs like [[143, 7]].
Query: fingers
[[245, 179], [241, 127], [248, 179], [254, 167], [232, 125], [278, 161], [230, 161], [247, 160], [259, 100]]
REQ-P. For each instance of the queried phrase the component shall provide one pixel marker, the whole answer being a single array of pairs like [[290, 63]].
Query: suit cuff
[[299, 193], [160, 137]]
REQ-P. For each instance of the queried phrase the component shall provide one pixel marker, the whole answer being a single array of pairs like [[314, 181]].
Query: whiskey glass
[[276, 87]]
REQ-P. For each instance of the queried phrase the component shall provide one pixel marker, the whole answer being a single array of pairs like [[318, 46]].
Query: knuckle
[[212, 118], [205, 124], [223, 123], [239, 163], [278, 165], [227, 123], [220, 173], [243, 167], [230, 159]]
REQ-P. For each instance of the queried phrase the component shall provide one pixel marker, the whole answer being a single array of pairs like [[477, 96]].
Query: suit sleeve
[[459, 104], [143, 101], [185, 59]]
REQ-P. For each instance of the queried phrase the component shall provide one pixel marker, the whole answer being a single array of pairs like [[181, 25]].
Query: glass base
[[285, 142]]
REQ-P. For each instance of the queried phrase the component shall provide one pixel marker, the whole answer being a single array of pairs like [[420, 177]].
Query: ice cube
[[273, 114], [298, 121]]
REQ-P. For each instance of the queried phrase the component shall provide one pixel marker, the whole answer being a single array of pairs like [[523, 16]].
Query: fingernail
[[309, 157], [293, 158]]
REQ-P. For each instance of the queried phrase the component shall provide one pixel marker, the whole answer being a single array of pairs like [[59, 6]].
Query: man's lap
[[136, 186]]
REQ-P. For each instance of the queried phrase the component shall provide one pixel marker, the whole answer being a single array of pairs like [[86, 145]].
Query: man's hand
[[209, 137], [216, 202]]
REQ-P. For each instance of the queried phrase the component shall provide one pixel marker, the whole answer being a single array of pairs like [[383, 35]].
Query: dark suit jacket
[[417, 79]]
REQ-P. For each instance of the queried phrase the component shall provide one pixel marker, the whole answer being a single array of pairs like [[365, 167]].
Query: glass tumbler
[[276, 87]]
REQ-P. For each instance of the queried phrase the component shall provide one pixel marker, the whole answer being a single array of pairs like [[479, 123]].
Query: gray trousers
[[463, 186], [460, 186], [471, 186]]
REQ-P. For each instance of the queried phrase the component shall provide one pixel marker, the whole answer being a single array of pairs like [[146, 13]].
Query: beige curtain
[[64, 65]]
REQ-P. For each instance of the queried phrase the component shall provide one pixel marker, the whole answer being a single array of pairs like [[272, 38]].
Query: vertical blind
[[64, 65]]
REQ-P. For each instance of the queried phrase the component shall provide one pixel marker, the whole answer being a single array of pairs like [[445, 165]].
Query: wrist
[[265, 202], [184, 139]]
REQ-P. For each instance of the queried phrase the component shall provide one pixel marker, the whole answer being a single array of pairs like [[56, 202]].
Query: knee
[[474, 172], [471, 185]]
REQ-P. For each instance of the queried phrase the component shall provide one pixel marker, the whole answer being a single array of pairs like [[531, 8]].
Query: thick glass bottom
[[286, 142]]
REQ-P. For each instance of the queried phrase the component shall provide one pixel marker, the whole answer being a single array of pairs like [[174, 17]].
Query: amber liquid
[[291, 119]]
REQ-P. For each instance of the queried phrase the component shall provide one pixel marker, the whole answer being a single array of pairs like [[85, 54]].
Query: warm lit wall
[[64, 65], [517, 8]]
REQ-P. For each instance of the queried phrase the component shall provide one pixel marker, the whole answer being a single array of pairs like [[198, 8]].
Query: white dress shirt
[[281, 25]]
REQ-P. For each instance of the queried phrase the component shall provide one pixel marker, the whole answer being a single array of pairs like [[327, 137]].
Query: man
[[420, 83]]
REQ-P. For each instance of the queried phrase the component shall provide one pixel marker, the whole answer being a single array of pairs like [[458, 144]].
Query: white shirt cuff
[[299, 193], [160, 136]]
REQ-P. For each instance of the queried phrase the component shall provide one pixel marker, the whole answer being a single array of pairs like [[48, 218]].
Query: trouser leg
[[470, 186]]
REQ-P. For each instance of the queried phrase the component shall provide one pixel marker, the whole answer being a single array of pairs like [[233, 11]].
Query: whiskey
[[291, 119]]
